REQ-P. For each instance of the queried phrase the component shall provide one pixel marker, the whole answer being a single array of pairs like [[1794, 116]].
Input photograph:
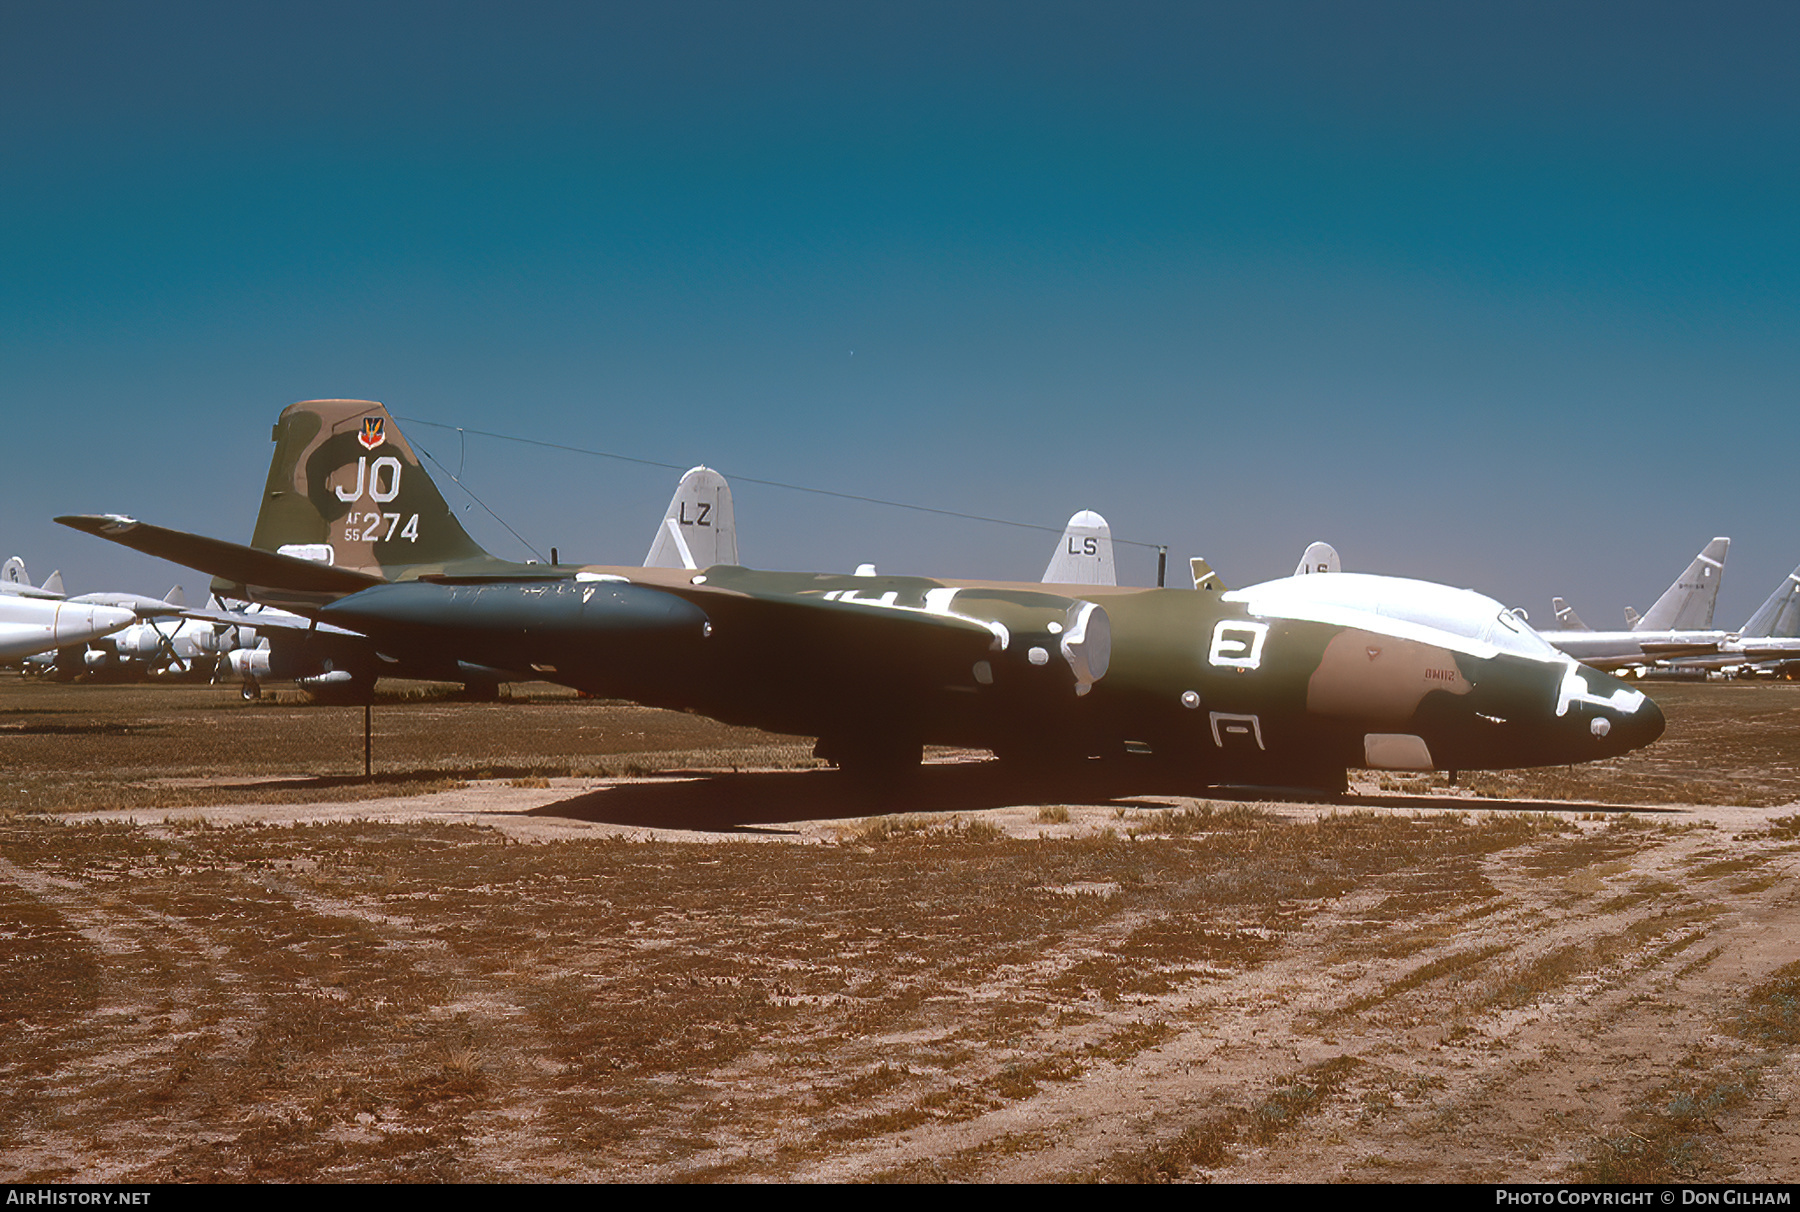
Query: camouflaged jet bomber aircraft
[[1284, 683]]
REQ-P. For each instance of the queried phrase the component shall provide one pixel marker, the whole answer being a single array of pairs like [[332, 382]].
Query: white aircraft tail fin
[[1687, 605], [1319, 557], [699, 529], [1566, 618], [1780, 614], [177, 596], [1631, 619], [1204, 576], [13, 580], [1084, 554]]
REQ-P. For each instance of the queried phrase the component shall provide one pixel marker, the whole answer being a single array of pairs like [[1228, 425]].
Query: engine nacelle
[[248, 662]]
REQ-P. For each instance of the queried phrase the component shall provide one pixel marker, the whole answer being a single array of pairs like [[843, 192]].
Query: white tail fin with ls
[[1084, 554], [1319, 557]]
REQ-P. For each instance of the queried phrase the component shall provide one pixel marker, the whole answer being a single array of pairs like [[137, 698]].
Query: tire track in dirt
[[1520, 1088], [1453, 1076], [514, 1061], [167, 1002]]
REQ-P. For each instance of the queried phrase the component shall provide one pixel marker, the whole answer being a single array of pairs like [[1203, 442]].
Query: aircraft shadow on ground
[[761, 802], [758, 802]]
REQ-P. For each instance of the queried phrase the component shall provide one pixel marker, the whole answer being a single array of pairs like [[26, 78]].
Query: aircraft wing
[[232, 561], [272, 621], [1607, 664], [788, 606], [903, 632], [1674, 650]]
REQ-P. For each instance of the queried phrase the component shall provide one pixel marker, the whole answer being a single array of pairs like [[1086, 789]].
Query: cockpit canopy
[[1417, 610]]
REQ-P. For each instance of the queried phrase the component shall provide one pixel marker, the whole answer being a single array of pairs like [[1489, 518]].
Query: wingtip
[[98, 523]]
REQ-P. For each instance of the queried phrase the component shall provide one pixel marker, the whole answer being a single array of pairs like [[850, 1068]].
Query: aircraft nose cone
[[75, 625], [1646, 724], [1628, 721]]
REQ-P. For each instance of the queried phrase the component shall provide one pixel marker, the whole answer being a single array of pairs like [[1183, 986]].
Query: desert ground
[[560, 939]]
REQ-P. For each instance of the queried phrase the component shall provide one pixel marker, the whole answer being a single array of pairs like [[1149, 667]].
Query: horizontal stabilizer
[[229, 561], [1084, 554]]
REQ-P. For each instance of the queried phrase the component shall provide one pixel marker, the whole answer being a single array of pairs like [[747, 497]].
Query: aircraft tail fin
[[700, 527], [346, 489], [1687, 605], [14, 581], [1780, 614], [1566, 618], [1204, 577], [1084, 554], [1319, 557]]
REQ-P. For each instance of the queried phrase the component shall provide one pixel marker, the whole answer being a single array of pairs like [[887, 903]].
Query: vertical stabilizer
[[1084, 554], [1204, 576], [14, 581], [1319, 557], [1687, 605], [345, 488], [1566, 618], [1780, 614], [700, 527]]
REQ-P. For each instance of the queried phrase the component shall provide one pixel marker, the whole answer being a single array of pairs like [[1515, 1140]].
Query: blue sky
[[1499, 295]]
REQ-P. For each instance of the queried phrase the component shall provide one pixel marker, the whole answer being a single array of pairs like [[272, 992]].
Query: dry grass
[[379, 1002], [352, 981], [81, 748], [1732, 743], [1212, 1143]]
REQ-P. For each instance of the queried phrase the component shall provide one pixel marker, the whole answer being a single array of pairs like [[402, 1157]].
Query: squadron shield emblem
[[374, 432]]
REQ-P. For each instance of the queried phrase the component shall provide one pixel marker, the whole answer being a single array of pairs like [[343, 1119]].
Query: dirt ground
[[225, 955]]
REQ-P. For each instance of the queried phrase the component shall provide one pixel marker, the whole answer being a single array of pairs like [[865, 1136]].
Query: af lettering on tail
[[346, 488]]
